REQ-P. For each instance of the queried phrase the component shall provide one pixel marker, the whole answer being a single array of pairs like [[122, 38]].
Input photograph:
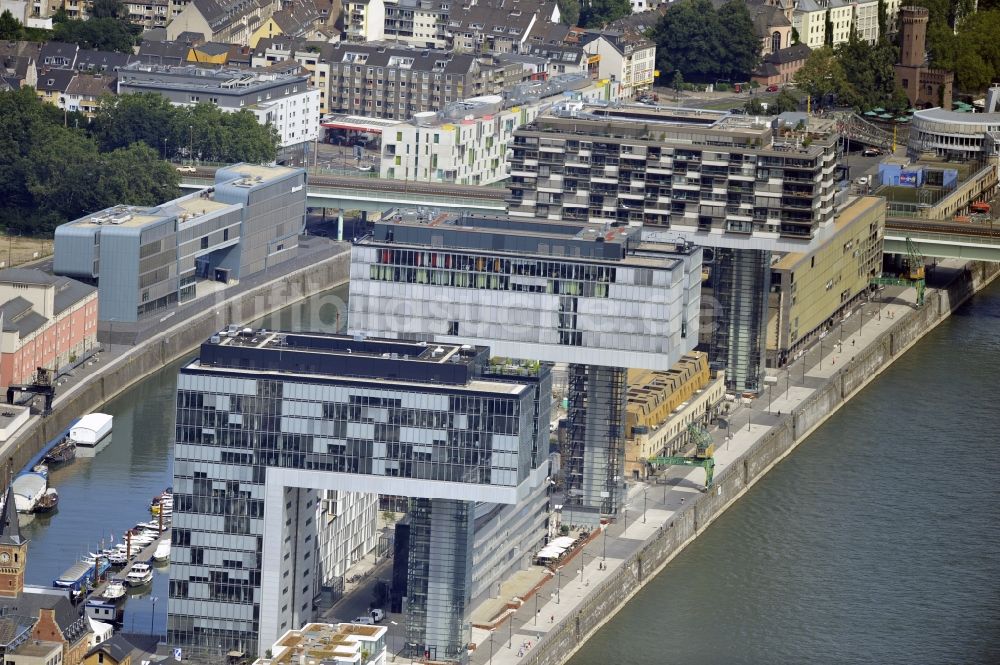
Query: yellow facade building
[[661, 406], [809, 290]]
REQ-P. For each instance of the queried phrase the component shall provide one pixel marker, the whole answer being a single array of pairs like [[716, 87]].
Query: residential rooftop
[[325, 643], [227, 80]]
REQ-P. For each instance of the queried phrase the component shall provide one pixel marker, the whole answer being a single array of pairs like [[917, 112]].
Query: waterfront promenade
[[653, 506]]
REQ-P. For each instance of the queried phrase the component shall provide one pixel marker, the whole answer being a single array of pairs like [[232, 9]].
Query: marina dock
[[145, 555]]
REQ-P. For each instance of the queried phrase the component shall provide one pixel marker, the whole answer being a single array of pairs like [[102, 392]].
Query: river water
[[102, 496], [876, 541]]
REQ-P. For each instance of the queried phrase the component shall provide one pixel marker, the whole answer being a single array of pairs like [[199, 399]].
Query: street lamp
[[491, 647], [152, 617], [645, 491], [604, 544], [558, 583]]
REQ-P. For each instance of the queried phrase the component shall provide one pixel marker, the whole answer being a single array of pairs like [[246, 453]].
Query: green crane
[[704, 449], [913, 273]]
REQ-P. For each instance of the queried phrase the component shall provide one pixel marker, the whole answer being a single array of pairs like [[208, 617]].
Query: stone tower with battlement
[[924, 87]]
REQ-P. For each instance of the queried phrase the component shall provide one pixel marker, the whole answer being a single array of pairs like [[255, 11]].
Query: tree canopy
[[598, 13], [50, 174], [858, 73], [569, 11], [210, 133], [706, 45], [103, 34]]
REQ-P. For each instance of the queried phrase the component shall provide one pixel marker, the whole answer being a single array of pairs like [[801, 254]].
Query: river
[[876, 541], [102, 496]]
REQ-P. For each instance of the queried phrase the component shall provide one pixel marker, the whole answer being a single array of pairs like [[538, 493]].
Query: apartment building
[[283, 100], [364, 20], [459, 278], [149, 13], [629, 59], [663, 404], [294, 414], [381, 80], [420, 23], [226, 21], [809, 290], [809, 21], [146, 259], [466, 142], [720, 181]]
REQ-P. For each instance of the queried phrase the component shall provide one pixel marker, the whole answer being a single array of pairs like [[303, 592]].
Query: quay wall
[[606, 599], [161, 349]]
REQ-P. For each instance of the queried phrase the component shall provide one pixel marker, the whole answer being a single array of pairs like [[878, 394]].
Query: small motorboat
[[41, 469], [62, 452], [114, 590], [118, 559], [48, 501], [139, 574], [162, 551]]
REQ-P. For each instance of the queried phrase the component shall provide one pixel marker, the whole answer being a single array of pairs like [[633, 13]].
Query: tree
[[784, 102], [688, 40], [569, 11], [753, 107], [50, 174], [977, 51], [107, 9], [598, 13], [677, 84], [10, 27], [822, 74], [883, 22], [103, 34], [740, 44]]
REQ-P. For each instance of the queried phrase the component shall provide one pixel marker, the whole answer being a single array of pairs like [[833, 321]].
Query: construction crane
[[911, 275], [704, 449]]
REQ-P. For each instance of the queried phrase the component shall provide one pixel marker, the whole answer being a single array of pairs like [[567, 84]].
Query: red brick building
[[45, 321]]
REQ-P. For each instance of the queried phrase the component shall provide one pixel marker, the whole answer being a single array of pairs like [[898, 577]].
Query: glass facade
[[236, 583]]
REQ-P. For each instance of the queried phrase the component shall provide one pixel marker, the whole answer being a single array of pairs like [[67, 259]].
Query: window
[[204, 242]]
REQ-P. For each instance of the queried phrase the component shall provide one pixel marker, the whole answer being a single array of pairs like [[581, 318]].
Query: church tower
[[13, 550]]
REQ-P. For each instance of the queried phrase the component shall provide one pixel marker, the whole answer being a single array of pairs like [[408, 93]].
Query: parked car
[[737, 111], [871, 152], [363, 621], [772, 88], [186, 169], [377, 614]]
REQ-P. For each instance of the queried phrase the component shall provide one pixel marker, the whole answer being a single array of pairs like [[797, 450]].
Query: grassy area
[[17, 250]]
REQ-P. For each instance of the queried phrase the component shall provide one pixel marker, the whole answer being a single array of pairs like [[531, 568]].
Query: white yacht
[[139, 574], [162, 551], [115, 590]]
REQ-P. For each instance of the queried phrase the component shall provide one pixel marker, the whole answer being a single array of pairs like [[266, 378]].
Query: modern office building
[[593, 296], [266, 420], [809, 290], [145, 259], [731, 183], [278, 98]]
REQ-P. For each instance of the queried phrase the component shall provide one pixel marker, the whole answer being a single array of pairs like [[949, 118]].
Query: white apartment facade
[[627, 60], [346, 531], [809, 20]]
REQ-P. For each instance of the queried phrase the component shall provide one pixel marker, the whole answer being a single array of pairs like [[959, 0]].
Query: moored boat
[[114, 590], [48, 501], [162, 551], [91, 433], [28, 489], [139, 574], [61, 452]]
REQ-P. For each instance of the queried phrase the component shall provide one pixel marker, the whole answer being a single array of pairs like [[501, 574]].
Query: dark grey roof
[[68, 291], [155, 35], [21, 48], [296, 19], [57, 54], [793, 53], [105, 61], [212, 48], [91, 85], [28, 604], [163, 53], [379, 53], [564, 53], [20, 318], [10, 529], [512, 19], [55, 79], [767, 69], [115, 646], [12, 627], [641, 22]]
